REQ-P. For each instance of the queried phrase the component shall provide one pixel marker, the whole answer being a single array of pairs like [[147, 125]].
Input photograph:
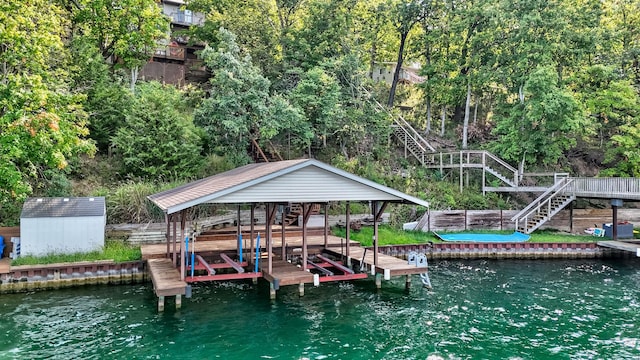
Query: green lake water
[[578, 309]]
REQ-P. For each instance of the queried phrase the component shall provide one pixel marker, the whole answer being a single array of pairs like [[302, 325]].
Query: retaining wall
[[504, 251], [56, 276]]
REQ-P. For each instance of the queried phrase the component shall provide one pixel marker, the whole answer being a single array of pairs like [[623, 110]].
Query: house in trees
[[383, 71], [174, 60]]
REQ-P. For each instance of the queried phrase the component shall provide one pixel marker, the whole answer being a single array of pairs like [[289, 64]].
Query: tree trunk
[[428, 128], [396, 73], [134, 77], [444, 115], [475, 111], [467, 110], [372, 63]]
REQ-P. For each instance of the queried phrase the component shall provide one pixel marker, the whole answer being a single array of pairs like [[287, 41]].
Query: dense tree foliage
[[536, 81], [42, 124], [158, 138]]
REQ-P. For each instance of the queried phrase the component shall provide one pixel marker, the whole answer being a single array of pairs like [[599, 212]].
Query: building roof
[[303, 180], [63, 207]]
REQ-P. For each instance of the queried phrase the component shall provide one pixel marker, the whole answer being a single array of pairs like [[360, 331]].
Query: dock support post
[[407, 283], [178, 301], [378, 281], [160, 303], [272, 291], [255, 280], [301, 289]]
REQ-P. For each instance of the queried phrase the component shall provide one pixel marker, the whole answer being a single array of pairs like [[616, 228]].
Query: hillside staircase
[[295, 210], [544, 207], [558, 189], [289, 213], [260, 155]]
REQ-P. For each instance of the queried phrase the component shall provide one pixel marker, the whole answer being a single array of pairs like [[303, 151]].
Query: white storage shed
[[62, 225]]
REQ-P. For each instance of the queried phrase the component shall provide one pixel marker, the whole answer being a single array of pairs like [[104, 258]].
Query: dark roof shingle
[[63, 207]]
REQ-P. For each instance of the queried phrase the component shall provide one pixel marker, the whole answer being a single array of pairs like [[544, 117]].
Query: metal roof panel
[[63, 207]]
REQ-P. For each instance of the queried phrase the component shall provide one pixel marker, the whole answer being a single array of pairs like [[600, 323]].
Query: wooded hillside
[[544, 83]]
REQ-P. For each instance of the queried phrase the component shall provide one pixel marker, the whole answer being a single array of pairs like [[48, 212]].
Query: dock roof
[[303, 180]]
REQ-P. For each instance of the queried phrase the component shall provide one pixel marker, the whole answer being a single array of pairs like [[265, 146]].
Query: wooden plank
[[342, 268], [318, 267], [232, 263], [205, 264], [223, 277], [165, 278], [286, 273]]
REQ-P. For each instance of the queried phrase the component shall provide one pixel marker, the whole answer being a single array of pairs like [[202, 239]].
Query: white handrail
[[537, 203]]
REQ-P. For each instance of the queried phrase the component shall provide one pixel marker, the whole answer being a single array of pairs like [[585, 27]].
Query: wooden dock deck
[[166, 281], [152, 251], [629, 246], [285, 273], [387, 265]]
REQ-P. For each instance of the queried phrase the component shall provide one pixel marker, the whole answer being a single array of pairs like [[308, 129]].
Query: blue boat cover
[[471, 237]]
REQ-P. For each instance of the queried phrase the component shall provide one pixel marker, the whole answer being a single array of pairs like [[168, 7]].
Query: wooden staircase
[[260, 155], [544, 207], [293, 212], [411, 140]]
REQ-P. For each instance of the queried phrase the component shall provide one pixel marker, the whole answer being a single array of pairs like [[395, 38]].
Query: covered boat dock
[[268, 252]]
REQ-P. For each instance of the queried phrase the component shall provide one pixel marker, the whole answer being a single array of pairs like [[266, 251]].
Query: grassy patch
[[392, 236], [116, 250], [387, 236]]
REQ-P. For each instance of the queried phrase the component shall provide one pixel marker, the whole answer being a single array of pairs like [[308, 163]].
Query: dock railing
[[609, 188], [482, 159]]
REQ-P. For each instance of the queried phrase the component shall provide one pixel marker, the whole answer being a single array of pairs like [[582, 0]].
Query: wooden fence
[[575, 221]]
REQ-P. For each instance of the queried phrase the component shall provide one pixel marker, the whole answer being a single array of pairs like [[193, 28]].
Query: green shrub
[[159, 139]]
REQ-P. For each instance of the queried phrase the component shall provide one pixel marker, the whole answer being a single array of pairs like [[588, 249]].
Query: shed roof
[[63, 207], [303, 180]]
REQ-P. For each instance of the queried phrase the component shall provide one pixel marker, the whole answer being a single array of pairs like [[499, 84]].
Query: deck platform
[[285, 273], [166, 281], [387, 265], [629, 246], [153, 251]]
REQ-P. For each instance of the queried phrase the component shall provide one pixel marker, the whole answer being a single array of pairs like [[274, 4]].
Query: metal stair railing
[[544, 200], [505, 166], [413, 134]]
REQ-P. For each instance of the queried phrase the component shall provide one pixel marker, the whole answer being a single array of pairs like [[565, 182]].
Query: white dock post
[[272, 291], [160, 303]]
